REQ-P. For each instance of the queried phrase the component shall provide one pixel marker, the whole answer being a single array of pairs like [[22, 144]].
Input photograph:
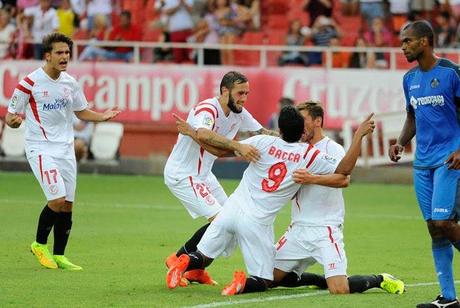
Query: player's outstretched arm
[[247, 151], [302, 176], [407, 133], [93, 116], [13, 120], [186, 129], [348, 162]]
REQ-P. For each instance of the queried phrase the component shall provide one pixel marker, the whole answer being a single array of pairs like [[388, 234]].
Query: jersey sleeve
[[20, 97], [248, 123], [406, 95], [203, 117], [79, 100], [319, 162], [456, 83]]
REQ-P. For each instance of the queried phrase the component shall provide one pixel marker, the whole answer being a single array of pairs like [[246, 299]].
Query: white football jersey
[[316, 205], [49, 105], [267, 184], [187, 157]]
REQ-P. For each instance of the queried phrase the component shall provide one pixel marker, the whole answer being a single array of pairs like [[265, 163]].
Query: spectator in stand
[[180, 26], [206, 32], [100, 32], [249, 10], [44, 21], [323, 30], [316, 8], [399, 9], [6, 33], [99, 7], [349, 7], [379, 36], [340, 59], [423, 7], [273, 122], [445, 32], [23, 4], [371, 9], [123, 33], [232, 23], [294, 37], [22, 35], [66, 18], [362, 59]]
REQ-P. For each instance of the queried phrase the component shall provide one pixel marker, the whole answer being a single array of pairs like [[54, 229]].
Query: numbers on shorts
[[51, 176], [276, 175]]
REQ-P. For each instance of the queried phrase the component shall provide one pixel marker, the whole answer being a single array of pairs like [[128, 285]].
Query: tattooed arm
[[264, 131]]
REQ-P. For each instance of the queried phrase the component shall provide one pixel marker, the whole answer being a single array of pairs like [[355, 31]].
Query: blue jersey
[[434, 98]]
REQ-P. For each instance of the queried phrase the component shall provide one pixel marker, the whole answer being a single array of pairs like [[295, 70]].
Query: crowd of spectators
[[23, 24]]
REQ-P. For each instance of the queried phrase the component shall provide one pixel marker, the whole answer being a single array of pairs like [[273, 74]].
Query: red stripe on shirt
[[329, 229], [308, 150], [23, 89], [206, 109], [191, 184], [199, 159], [29, 81], [33, 106], [203, 104], [312, 159], [40, 166]]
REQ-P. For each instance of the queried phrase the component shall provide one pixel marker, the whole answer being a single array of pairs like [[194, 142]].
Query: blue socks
[[443, 255]]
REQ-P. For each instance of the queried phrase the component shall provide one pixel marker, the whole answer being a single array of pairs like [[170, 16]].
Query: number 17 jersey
[[267, 184]]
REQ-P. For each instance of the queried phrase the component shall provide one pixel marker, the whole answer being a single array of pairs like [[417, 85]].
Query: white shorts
[[197, 197], [302, 246], [216, 189], [233, 226], [57, 176]]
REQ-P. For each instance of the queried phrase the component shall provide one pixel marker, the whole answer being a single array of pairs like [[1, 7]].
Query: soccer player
[[49, 96], [432, 91], [188, 170], [316, 230], [249, 213]]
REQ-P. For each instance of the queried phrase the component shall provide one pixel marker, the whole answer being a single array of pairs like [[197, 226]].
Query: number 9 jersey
[[267, 185]]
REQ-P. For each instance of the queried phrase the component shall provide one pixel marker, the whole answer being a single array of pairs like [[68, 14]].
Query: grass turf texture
[[124, 227]]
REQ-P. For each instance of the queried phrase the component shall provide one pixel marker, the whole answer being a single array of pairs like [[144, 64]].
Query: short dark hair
[[291, 124], [231, 78], [422, 28], [56, 37], [286, 101], [314, 109], [126, 13]]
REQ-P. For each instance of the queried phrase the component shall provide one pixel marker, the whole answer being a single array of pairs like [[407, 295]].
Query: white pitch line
[[285, 297]]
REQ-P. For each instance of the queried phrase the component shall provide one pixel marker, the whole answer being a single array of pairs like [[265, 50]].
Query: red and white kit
[[316, 230], [188, 169], [49, 105], [266, 186]]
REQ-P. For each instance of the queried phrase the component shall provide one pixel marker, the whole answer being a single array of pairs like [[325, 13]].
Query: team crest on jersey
[[434, 83], [54, 189], [208, 121], [66, 92]]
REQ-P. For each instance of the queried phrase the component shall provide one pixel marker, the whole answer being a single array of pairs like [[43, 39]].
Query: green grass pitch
[[124, 227]]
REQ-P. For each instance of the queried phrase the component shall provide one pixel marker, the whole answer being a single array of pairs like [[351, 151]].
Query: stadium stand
[[12, 142]]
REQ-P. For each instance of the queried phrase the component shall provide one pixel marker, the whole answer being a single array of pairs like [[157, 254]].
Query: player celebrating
[[49, 96], [316, 230], [250, 211], [188, 170], [432, 91]]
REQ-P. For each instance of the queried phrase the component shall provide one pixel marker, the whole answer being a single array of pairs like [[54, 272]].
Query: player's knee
[[57, 205], [441, 227], [434, 227]]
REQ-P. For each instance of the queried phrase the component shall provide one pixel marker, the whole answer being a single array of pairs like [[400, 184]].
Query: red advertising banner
[[151, 93]]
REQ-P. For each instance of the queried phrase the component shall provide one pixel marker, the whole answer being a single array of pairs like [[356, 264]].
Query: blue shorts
[[438, 193]]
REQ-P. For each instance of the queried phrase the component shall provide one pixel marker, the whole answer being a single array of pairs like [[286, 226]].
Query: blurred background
[[153, 58]]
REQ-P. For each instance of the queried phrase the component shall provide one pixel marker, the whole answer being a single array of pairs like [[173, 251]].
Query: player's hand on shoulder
[[454, 160], [110, 114], [248, 152], [182, 126], [302, 176], [395, 151], [367, 126]]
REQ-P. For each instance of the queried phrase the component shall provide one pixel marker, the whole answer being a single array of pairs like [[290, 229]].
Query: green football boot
[[43, 255], [65, 264], [391, 284]]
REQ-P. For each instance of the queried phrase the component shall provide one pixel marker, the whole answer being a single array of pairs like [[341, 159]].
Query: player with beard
[[432, 92], [187, 173], [49, 96]]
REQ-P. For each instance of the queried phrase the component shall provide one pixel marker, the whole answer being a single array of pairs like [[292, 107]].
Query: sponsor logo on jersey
[[414, 86], [434, 100], [14, 101], [440, 210], [59, 103], [45, 93], [331, 266], [330, 159]]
